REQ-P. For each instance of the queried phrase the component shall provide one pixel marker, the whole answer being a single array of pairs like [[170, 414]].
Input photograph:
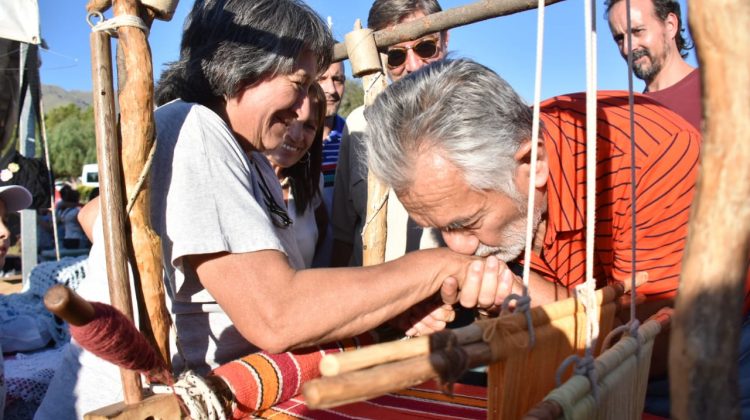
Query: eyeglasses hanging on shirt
[[278, 214]]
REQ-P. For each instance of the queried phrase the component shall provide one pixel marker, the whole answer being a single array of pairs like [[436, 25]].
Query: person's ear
[[523, 170], [672, 25], [444, 37]]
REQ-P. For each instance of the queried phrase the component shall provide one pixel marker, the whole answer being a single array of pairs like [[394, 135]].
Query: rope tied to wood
[[584, 366], [110, 26], [199, 398], [586, 295], [631, 327], [523, 304], [449, 359]]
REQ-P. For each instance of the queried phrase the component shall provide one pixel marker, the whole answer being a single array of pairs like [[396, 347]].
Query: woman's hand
[[425, 318]]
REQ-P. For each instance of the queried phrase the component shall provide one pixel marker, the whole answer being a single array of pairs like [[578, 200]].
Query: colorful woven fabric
[[421, 402], [260, 380]]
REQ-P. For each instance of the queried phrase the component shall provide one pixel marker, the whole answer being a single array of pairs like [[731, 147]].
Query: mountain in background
[[54, 96]]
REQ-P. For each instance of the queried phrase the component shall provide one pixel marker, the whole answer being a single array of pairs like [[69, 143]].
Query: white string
[[585, 293], [110, 25], [591, 93], [534, 146]]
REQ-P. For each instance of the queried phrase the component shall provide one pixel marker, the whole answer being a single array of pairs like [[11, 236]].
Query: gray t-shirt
[[206, 197], [209, 196]]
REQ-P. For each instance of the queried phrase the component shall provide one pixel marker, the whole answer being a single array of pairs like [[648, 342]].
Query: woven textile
[[421, 402], [260, 380]]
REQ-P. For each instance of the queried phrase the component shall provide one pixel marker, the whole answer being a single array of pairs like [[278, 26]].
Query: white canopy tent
[[20, 94], [19, 21]]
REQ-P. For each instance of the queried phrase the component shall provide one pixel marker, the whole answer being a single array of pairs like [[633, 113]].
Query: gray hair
[[229, 44], [459, 107], [385, 13]]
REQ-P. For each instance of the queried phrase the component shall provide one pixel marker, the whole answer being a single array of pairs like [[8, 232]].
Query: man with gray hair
[[453, 141], [350, 187]]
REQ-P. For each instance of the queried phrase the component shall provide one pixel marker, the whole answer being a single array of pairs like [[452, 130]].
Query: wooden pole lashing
[[704, 346], [136, 94]]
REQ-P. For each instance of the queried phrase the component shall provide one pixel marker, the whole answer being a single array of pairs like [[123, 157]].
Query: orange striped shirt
[[667, 153]]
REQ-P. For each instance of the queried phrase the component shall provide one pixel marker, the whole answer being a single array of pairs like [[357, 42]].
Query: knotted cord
[[110, 25], [199, 398], [585, 293]]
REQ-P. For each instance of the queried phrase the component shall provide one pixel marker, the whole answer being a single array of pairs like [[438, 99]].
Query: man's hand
[[486, 285]]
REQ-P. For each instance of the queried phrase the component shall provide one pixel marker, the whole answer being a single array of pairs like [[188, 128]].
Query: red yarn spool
[[114, 338]]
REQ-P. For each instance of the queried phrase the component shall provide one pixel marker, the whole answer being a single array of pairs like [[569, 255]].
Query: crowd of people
[[259, 187]]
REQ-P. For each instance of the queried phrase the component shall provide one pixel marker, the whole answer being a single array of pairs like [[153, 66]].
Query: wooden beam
[[447, 19], [708, 314]]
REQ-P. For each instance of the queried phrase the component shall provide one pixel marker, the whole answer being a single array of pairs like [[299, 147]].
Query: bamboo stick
[[369, 383], [110, 181], [708, 313], [447, 19], [336, 364], [137, 136]]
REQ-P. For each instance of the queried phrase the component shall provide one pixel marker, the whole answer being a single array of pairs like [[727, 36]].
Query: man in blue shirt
[[332, 82]]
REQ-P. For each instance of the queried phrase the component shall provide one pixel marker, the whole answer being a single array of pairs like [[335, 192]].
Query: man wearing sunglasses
[[350, 187]]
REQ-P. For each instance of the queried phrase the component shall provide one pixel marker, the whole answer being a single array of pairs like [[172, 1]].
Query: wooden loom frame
[[721, 95]]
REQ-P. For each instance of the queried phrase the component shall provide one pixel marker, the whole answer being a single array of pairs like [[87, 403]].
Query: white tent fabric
[[19, 21]]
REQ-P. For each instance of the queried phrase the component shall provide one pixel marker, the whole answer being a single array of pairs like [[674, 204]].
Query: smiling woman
[[297, 163], [233, 269]]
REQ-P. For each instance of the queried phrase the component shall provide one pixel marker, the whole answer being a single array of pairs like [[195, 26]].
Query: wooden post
[[375, 229], [705, 336], [112, 206], [136, 92]]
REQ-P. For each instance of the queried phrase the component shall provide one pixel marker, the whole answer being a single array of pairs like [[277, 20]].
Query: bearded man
[[659, 51]]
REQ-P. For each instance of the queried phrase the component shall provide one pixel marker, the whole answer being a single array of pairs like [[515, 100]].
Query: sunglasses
[[426, 48]]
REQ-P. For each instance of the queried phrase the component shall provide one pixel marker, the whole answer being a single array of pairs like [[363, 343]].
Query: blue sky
[[506, 44]]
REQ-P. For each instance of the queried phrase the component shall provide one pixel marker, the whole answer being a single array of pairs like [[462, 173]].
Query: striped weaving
[[667, 156], [260, 380], [421, 402]]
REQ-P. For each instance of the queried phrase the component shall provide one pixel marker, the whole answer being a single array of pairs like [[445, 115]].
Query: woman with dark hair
[[233, 272], [297, 163]]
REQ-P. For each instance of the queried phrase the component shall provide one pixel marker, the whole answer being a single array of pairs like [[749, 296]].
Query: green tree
[[354, 96], [72, 142]]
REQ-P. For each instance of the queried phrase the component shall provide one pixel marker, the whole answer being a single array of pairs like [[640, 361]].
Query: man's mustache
[[640, 53]]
